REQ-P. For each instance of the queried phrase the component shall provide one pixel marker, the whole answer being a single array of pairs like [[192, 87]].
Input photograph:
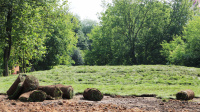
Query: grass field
[[162, 80]]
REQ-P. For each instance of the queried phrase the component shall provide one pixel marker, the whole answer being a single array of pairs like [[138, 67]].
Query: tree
[[98, 55], [20, 25], [86, 26], [61, 38], [168, 20], [174, 51], [77, 57], [191, 35], [132, 30], [184, 50], [121, 24]]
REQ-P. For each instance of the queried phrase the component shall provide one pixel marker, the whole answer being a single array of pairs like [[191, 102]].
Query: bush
[[77, 57]]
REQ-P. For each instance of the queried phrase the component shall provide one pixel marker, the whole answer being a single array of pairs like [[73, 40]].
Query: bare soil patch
[[108, 103]]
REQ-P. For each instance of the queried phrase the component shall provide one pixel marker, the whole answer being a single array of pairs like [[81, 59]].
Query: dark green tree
[[131, 31], [86, 26], [77, 57], [20, 26], [61, 38], [184, 50]]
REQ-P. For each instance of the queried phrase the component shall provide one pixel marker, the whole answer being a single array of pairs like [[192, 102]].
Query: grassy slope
[[165, 81]]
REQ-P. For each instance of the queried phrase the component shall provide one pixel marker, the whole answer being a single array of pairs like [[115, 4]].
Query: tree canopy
[[28, 28], [184, 50], [131, 31]]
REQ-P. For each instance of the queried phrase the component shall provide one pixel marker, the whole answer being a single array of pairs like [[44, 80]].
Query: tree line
[[42, 34], [146, 32]]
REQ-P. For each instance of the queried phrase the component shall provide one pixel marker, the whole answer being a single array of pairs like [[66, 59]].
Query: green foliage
[[77, 56], [22, 31], [191, 35], [132, 33], [86, 26], [174, 51], [36, 32], [163, 80], [98, 55], [184, 50], [60, 39]]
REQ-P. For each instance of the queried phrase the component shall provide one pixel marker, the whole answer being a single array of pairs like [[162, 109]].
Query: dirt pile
[[107, 104]]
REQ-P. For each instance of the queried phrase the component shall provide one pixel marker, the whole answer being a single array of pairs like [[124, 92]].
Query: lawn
[[163, 80]]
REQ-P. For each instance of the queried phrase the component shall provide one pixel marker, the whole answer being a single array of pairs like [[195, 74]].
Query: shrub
[[77, 57]]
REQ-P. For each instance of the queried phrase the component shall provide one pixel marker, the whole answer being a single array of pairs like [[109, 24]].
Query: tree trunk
[[7, 48], [6, 70], [132, 54]]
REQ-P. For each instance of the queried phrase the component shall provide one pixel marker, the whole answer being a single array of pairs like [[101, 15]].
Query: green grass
[[163, 80]]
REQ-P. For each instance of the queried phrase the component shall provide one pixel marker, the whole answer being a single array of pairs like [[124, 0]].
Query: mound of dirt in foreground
[[112, 104]]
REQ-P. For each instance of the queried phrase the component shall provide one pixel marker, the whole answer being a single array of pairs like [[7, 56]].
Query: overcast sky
[[86, 9]]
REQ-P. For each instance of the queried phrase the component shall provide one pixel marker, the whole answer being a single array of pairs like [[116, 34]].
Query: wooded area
[[42, 34]]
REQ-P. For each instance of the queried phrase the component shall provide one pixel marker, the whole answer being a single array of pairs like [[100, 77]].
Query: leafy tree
[[86, 26], [131, 32], [167, 21], [174, 51], [21, 24], [191, 35], [61, 38], [77, 57], [98, 55], [184, 50], [121, 26]]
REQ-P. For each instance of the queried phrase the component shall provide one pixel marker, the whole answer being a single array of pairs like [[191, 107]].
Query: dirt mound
[[108, 103]]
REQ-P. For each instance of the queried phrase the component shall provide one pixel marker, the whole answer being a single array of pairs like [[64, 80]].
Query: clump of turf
[[68, 91], [15, 90], [31, 83], [92, 94], [52, 90], [37, 96], [33, 96], [185, 95]]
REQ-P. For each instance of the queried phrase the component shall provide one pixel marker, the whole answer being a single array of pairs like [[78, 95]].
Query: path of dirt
[[108, 104]]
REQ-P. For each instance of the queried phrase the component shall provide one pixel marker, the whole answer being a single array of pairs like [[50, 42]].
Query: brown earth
[[108, 104]]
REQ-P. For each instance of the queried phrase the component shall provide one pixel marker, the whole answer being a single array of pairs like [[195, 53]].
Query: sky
[[86, 9]]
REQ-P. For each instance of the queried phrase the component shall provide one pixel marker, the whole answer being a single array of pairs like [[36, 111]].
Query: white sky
[[86, 9]]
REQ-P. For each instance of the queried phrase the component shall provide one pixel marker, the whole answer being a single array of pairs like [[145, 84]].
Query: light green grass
[[163, 80]]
